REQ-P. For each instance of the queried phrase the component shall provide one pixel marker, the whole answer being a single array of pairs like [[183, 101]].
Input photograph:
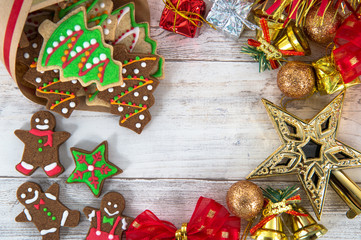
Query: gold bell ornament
[[283, 202], [293, 39], [305, 227]]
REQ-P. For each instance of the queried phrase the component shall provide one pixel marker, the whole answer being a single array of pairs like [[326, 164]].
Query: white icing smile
[[42, 127], [36, 195], [111, 214]]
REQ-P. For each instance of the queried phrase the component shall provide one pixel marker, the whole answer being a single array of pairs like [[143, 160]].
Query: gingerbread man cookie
[[41, 145], [45, 210], [107, 222]]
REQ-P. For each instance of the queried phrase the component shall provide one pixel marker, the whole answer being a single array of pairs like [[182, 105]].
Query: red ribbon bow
[[210, 221], [41, 202], [348, 53]]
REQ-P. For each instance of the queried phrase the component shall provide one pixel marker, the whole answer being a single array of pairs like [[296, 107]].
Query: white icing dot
[[30, 189], [41, 72], [69, 32], [49, 50], [88, 65], [124, 70], [138, 125], [98, 233], [78, 49], [115, 205], [46, 121], [123, 85], [38, 80], [77, 27], [106, 31], [150, 87], [72, 104], [103, 56], [141, 117], [74, 81], [26, 55], [91, 168], [120, 109], [37, 120], [72, 53], [109, 21], [136, 71], [136, 94], [62, 38], [55, 44], [56, 70], [102, 5], [23, 195], [35, 45], [143, 64], [110, 236], [109, 203], [93, 41], [111, 89], [86, 44], [64, 110], [145, 98], [95, 60]]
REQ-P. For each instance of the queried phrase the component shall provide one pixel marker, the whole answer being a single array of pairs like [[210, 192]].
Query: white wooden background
[[209, 129]]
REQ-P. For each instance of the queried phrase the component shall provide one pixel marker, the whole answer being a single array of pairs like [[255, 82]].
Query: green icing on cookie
[[81, 53], [92, 168], [147, 39]]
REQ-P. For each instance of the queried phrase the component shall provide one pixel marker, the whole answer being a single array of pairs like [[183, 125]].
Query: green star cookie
[[92, 168]]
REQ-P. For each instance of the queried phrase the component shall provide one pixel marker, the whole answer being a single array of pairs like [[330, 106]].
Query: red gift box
[[172, 19]]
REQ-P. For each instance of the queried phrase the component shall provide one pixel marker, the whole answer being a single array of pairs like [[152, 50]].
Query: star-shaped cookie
[[309, 149], [92, 167]]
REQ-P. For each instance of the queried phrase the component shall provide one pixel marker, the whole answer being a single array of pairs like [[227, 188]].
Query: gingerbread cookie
[[45, 210], [132, 100], [62, 97], [92, 167], [108, 221], [34, 20], [78, 52], [41, 145], [29, 55]]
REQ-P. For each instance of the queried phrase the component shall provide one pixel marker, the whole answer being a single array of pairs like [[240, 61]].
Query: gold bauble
[[245, 199], [296, 79], [322, 30]]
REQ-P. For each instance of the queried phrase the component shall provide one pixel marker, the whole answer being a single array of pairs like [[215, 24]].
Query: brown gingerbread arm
[[24, 216], [90, 213], [60, 137], [53, 190], [124, 223], [22, 134], [51, 235]]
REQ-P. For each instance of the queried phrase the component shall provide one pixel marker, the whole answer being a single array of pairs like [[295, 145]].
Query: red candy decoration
[[210, 220], [348, 53], [176, 23]]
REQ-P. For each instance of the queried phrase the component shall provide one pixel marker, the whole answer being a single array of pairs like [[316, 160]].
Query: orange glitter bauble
[[245, 199]]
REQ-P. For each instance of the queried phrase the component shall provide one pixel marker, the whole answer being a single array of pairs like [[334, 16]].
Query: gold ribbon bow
[[181, 234], [185, 14]]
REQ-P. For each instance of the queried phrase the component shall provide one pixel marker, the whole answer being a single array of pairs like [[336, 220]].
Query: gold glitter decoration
[[296, 79], [245, 199], [322, 29], [309, 149]]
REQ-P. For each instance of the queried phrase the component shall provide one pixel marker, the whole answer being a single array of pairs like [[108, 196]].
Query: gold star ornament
[[310, 149]]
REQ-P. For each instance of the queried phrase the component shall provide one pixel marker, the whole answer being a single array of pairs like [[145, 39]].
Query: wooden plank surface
[[209, 128]]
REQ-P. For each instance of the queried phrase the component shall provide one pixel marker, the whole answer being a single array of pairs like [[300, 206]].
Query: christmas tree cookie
[[98, 13], [78, 53], [108, 221], [132, 100], [62, 97], [92, 167], [45, 210], [135, 36]]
